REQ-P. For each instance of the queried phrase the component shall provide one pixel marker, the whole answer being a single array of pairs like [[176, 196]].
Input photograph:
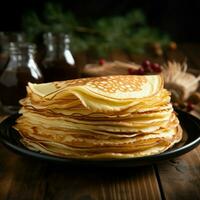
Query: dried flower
[[180, 82]]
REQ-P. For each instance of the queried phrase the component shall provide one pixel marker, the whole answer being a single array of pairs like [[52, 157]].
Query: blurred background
[[179, 18]]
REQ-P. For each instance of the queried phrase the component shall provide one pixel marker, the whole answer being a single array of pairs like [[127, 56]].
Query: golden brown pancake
[[99, 118]]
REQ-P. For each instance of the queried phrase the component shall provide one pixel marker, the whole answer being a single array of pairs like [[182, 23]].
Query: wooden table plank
[[7, 163], [29, 180], [24, 178], [98, 184], [180, 177], [20, 177]]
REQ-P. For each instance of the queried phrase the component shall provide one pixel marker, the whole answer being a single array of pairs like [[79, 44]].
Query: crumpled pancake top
[[119, 87]]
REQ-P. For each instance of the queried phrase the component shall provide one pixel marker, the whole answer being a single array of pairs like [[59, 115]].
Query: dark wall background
[[180, 18]]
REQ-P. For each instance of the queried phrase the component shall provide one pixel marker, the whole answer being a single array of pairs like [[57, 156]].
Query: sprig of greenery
[[130, 32]]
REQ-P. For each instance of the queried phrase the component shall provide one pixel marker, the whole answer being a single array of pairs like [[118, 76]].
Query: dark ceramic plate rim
[[171, 153]]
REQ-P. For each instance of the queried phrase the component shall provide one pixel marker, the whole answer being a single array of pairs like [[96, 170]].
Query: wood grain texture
[[24, 178], [7, 163], [180, 177], [98, 184], [28, 181], [19, 177]]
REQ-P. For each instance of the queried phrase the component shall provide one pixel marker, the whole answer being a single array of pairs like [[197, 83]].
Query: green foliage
[[130, 32]]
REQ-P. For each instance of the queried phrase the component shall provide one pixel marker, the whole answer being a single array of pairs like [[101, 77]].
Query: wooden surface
[[22, 178]]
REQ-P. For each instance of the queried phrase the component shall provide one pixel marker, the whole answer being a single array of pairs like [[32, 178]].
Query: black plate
[[190, 124]]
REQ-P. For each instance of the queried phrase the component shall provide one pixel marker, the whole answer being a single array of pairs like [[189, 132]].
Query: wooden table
[[22, 178]]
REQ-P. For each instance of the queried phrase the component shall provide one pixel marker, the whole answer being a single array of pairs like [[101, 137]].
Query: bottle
[[5, 39], [21, 69], [59, 63]]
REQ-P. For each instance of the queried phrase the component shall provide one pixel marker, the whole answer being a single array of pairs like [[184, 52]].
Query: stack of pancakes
[[99, 118]]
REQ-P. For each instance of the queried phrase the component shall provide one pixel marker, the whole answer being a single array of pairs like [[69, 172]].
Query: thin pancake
[[99, 118]]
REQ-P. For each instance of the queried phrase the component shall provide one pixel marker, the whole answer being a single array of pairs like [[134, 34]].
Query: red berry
[[130, 70], [146, 64], [140, 71], [102, 61], [134, 71], [148, 69], [156, 67]]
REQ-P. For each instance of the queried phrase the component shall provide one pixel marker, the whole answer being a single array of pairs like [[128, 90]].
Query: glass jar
[[59, 63], [20, 69]]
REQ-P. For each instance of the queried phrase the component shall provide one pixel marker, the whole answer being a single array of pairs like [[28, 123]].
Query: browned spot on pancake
[[110, 84], [113, 84], [78, 82]]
